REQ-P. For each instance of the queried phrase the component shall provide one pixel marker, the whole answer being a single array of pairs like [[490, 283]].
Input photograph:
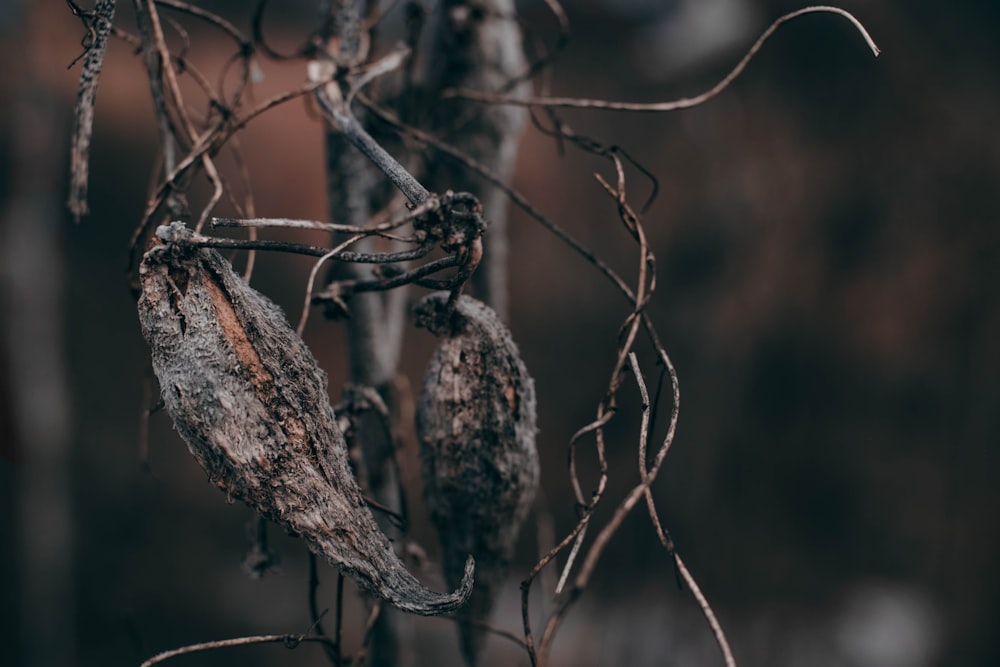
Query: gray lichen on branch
[[250, 401]]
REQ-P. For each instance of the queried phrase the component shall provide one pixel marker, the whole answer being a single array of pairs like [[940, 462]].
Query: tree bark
[[478, 46]]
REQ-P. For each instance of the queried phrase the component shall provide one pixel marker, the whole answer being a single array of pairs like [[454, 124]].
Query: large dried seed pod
[[476, 424], [247, 396]]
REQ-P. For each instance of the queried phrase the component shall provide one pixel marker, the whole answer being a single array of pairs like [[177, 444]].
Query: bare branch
[[99, 24], [338, 114], [333, 648]]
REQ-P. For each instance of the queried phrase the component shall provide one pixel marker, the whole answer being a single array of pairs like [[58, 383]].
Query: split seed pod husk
[[476, 425], [250, 401]]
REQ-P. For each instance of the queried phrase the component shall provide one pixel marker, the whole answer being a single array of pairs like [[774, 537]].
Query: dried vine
[[193, 307]]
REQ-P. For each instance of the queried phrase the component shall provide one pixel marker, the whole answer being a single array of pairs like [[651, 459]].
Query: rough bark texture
[[249, 399], [83, 120], [476, 424], [478, 47]]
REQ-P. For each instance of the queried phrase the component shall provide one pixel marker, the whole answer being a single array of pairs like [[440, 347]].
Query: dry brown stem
[[289, 640], [96, 43]]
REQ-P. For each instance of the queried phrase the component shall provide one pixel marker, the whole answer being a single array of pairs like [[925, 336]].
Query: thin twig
[[257, 27], [289, 640], [379, 229], [211, 18], [338, 619], [162, 70], [633, 362], [491, 629], [312, 278], [706, 609], [336, 291], [373, 616], [332, 649], [208, 142], [338, 114], [200, 241], [663, 535], [605, 408], [577, 543], [99, 23], [605, 411], [545, 530], [673, 105]]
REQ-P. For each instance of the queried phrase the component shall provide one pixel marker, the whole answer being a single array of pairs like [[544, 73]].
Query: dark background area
[[828, 252]]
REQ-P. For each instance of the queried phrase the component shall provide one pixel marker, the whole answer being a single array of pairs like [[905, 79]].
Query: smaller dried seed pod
[[476, 425], [249, 399]]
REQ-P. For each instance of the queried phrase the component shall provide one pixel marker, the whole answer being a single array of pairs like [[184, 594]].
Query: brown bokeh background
[[828, 251]]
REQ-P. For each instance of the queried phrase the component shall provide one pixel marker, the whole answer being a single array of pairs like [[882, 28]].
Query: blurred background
[[828, 249]]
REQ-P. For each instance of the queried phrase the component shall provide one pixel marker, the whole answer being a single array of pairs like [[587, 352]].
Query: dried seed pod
[[476, 424], [249, 399]]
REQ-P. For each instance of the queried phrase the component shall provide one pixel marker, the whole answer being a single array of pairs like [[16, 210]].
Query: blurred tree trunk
[[374, 328], [31, 332], [474, 46], [478, 46]]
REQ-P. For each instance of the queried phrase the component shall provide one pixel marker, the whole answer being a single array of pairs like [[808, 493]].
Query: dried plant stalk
[[247, 396], [476, 424], [100, 21]]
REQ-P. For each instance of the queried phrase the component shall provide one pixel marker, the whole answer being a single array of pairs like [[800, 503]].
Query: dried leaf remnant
[[249, 399], [476, 424]]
